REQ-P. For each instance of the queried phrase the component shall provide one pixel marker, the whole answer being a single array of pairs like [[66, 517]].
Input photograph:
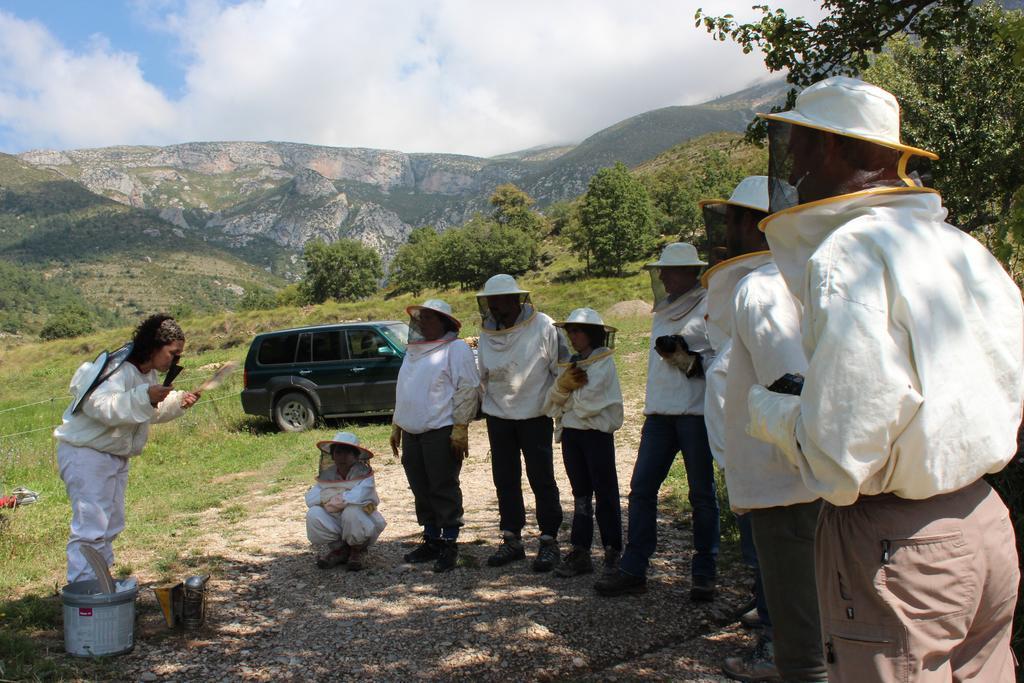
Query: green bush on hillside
[[344, 270], [257, 299], [507, 242], [70, 322]]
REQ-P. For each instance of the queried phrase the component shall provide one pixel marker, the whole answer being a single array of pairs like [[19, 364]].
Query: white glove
[[773, 419], [335, 504]]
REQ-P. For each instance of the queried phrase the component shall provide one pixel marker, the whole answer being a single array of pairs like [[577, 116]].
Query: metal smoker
[[193, 604]]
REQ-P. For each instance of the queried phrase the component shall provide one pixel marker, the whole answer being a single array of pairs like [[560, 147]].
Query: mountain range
[[248, 208]]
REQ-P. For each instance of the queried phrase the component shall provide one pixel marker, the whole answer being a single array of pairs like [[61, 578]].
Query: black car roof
[[333, 326]]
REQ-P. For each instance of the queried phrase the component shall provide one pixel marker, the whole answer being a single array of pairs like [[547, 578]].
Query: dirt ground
[[272, 615]]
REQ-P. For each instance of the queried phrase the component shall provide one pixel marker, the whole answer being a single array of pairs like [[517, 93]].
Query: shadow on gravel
[[278, 617]]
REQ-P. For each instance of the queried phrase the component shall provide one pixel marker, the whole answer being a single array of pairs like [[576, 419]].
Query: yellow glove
[[460, 442], [396, 438], [369, 508], [573, 378]]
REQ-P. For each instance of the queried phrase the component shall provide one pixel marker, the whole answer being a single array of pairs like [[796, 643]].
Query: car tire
[[294, 412]]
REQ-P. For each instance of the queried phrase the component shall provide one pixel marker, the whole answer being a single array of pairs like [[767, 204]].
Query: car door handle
[[358, 369], [305, 372]]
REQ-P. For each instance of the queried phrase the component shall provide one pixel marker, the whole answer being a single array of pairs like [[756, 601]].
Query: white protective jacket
[[517, 366], [669, 390], [720, 281], [115, 418], [359, 491], [597, 404], [766, 345], [437, 386], [915, 340]]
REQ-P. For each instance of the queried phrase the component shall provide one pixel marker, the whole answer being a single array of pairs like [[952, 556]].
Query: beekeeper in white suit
[[342, 505], [586, 404], [673, 423], [436, 398], [518, 354], [914, 336], [764, 323], [107, 426], [720, 281]]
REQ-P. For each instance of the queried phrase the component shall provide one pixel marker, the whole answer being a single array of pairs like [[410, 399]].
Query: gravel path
[[274, 616]]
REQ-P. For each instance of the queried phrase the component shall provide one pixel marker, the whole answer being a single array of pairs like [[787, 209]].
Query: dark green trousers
[[784, 537], [433, 474]]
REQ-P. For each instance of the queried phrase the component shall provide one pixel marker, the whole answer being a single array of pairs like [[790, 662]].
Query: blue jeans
[[661, 438]]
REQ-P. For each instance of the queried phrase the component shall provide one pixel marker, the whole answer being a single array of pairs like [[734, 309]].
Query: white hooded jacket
[[669, 390], [115, 418], [597, 404], [437, 386], [517, 366], [720, 281], [766, 345], [915, 340]]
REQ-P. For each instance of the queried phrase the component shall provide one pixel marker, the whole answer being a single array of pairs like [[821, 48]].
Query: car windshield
[[397, 334]]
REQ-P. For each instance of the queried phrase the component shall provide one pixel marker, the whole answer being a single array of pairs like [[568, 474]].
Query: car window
[[328, 346], [303, 354], [278, 349], [397, 334], [363, 344]]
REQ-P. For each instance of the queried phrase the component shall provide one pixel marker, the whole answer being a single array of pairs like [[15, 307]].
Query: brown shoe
[[757, 666], [357, 558], [332, 558]]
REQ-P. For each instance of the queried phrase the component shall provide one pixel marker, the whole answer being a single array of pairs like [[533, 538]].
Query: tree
[[965, 101], [470, 254], [411, 267], [344, 270], [615, 220], [849, 33], [512, 208], [675, 191]]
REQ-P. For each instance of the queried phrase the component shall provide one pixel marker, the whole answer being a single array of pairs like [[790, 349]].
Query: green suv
[[344, 370]]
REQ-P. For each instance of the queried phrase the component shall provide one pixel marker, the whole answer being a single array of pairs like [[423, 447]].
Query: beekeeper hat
[[848, 106], [498, 285], [585, 316], [677, 254], [437, 306], [751, 193], [345, 439]]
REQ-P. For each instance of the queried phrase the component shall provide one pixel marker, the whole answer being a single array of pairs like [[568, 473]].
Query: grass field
[[195, 470]]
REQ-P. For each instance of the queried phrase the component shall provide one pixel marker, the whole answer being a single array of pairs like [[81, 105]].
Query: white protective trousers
[[352, 525], [95, 482]]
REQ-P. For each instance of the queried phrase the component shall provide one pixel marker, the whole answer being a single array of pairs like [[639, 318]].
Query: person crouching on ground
[[106, 426], [586, 404], [343, 503], [436, 398]]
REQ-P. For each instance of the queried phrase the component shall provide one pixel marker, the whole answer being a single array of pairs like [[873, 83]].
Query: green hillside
[[61, 244]]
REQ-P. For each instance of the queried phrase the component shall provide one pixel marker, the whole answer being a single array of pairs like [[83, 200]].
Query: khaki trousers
[[918, 590]]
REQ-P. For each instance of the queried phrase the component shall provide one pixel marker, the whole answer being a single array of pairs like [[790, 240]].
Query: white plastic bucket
[[97, 624]]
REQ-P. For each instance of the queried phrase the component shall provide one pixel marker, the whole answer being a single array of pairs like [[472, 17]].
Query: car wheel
[[294, 412]]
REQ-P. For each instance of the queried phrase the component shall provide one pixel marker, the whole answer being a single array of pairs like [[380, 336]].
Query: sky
[[456, 76]]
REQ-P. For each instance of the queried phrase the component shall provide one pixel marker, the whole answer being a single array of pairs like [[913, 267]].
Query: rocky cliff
[[245, 194]]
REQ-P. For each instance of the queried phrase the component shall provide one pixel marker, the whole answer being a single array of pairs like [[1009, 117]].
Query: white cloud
[[49, 96], [448, 75]]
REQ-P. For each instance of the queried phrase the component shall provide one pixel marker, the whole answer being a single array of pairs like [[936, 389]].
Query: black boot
[[620, 583], [448, 557], [510, 550], [575, 563], [429, 549]]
